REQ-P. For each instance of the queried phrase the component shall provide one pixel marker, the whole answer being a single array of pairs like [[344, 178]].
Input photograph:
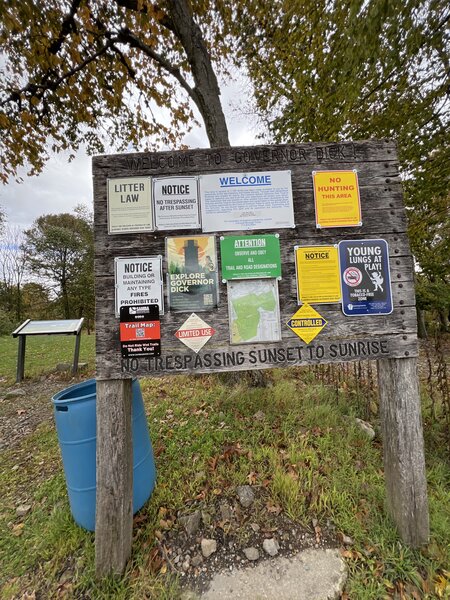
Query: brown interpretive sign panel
[[249, 314]]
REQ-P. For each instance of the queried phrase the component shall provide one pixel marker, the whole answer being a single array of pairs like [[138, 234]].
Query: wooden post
[[76, 355], [403, 450], [21, 358], [114, 503]]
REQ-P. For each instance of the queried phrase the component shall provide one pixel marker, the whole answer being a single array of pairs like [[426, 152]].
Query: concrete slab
[[310, 575]]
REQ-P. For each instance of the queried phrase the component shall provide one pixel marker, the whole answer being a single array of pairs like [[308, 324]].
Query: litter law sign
[[366, 281]]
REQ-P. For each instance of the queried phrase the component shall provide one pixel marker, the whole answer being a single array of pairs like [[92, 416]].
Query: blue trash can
[[75, 417]]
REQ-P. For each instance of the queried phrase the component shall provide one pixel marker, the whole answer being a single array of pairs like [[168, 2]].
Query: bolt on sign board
[[250, 256], [248, 196]]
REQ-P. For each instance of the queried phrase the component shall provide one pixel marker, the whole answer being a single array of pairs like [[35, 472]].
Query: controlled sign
[[306, 323], [336, 199], [140, 331], [366, 282], [139, 281], [250, 256], [318, 280], [194, 333]]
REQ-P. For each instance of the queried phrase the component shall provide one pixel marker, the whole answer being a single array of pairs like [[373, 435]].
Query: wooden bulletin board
[[343, 338]]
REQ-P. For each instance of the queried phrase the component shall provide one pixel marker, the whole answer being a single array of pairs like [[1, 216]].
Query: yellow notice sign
[[306, 323], [318, 275], [336, 198]]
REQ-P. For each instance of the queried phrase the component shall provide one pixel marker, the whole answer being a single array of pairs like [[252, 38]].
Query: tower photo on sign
[[192, 279]]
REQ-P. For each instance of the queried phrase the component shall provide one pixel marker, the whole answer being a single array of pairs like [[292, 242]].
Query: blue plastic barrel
[[75, 417]]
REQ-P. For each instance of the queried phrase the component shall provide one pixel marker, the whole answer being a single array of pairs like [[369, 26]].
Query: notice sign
[[318, 275], [194, 333], [366, 282], [250, 256], [176, 203], [140, 331], [138, 281], [242, 201], [129, 205], [192, 279], [306, 323], [336, 199]]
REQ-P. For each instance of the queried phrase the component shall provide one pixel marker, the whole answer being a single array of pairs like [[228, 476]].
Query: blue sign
[[366, 281]]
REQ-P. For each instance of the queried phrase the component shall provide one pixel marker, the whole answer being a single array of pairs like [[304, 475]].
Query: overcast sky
[[63, 185]]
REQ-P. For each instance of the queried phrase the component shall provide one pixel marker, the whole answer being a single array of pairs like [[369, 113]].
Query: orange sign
[[336, 199]]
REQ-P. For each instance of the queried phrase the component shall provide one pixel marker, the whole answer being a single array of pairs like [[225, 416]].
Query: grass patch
[[295, 438]]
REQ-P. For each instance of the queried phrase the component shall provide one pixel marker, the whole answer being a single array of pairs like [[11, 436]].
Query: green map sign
[[250, 256]]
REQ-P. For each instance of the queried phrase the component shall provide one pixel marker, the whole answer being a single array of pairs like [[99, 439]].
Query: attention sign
[[318, 277], [250, 256], [336, 199], [366, 281]]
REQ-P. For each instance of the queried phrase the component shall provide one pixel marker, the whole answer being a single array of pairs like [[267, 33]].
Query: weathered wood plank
[[404, 462], [258, 356], [114, 503], [244, 158]]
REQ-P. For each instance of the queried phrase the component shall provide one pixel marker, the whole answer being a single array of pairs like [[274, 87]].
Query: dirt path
[[26, 405]]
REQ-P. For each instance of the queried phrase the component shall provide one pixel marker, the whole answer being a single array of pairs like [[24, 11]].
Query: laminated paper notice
[[176, 203], [318, 275], [336, 199], [129, 205], [243, 201]]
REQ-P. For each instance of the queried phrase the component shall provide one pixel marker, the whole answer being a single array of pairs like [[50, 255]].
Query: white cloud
[[63, 185]]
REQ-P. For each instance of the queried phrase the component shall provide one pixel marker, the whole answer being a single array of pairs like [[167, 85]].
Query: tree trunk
[[421, 325], [206, 93], [443, 320]]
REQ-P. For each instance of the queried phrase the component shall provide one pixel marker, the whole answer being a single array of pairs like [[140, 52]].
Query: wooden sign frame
[[391, 339]]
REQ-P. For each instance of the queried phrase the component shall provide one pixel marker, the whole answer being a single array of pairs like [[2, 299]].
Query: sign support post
[[403, 448], [114, 479]]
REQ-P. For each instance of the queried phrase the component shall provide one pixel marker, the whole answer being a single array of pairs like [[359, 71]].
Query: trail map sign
[[255, 190]]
